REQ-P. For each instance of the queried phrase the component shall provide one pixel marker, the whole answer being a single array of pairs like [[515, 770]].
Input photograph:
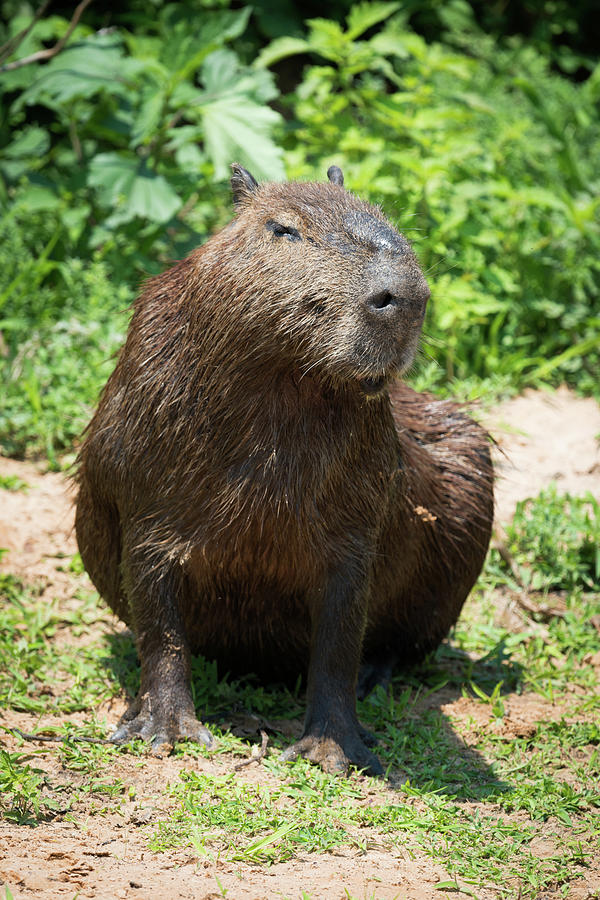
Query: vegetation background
[[476, 127]]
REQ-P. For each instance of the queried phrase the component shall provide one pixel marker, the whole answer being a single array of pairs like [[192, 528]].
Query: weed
[[254, 823], [21, 787], [12, 483], [555, 541]]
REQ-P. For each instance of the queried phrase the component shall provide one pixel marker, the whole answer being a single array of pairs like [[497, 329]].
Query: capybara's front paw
[[335, 756], [160, 727]]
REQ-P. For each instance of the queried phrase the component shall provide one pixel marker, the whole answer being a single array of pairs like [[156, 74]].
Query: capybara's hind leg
[[98, 531], [377, 668], [436, 536]]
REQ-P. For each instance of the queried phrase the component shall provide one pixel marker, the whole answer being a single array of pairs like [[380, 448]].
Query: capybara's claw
[[161, 732], [332, 756]]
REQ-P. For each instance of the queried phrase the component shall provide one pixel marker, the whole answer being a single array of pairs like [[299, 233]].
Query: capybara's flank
[[257, 486]]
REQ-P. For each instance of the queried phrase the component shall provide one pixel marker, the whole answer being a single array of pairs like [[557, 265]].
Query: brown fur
[[255, 486]]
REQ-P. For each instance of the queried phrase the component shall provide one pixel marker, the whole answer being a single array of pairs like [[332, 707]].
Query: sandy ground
[[541, 437], [545, 437]]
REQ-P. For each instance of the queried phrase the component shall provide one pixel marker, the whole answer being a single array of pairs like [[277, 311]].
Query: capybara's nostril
[[382, 300]]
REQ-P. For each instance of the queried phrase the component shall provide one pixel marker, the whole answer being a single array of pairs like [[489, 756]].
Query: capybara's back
[[257, 486]]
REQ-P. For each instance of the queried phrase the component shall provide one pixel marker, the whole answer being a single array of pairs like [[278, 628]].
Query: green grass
[[557, 540], [21, 790], [497, 805], [39, 674], [12, 483], [258, 823]]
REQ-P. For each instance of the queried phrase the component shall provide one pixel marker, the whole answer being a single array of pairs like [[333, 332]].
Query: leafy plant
[[104, 151], [62, 338], [491, 153], [114, 153], [141, 118], [12, 483], [21, 785], [555, 539]]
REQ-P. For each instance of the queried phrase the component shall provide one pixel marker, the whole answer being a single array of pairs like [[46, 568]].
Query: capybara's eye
[[279, 230]]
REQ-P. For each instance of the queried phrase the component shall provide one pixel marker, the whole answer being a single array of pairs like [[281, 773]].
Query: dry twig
[[11, 45], [58, 738], [257, 755], [522, 596], [51, 51]]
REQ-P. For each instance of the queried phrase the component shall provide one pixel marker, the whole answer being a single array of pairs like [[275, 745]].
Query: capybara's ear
[[335, 175], [243, 184]]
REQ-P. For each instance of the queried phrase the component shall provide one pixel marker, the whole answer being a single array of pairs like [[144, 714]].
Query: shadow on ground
[[417, 741]]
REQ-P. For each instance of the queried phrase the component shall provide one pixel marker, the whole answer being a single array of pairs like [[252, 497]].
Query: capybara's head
[[331, 285]]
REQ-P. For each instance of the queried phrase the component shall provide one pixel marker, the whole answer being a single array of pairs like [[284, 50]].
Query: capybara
[[258, 487]]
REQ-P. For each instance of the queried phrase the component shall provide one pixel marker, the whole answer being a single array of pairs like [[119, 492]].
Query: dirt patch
[[104, 853], [115, 863], [36, 526], [545, 437]]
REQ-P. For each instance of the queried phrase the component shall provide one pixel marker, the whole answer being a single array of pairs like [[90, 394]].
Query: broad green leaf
[[220, 71], [187, 43], [364, 15], [190, 158], [258, 83], [225, 25], [152, 197], [36, 198], [112, 175], [182, 135], [280, 49], [237, 129], [387, 43], [323, 31], [186, 96], [129, 184], [148, 118], [32, 141], [24, 153], [82, 70]]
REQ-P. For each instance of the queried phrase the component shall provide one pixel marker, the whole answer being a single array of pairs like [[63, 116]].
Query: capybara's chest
[[288, 521]]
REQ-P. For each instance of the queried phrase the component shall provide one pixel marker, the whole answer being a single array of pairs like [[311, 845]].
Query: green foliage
[[12, 483], [138, 121], [493, 157], [103, 152], [555, 539], [21, 785], [64, 321], [114, 153]]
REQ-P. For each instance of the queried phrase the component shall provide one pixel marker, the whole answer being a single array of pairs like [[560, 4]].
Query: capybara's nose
[[397, 299]]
